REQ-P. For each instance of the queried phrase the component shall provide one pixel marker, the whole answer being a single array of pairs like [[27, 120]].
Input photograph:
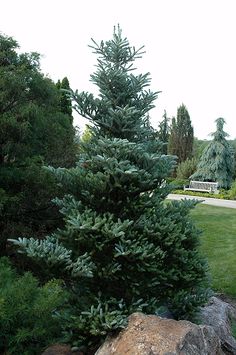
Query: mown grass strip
[[218, 225]]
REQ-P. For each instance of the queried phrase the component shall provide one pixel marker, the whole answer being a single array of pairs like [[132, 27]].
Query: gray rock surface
[[218, 314]]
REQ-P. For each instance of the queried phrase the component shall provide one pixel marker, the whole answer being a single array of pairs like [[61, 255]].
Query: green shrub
[[27, 321], [186, 168], [222, 195], [179, 183], [232, 191]]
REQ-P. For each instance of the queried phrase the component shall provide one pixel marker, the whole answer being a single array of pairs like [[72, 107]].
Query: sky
[[189, 44]]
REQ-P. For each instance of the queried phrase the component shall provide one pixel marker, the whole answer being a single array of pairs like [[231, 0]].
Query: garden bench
[[202, 186]]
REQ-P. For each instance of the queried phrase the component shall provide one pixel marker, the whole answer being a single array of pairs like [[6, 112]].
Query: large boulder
[[219, 314], [152, 335]]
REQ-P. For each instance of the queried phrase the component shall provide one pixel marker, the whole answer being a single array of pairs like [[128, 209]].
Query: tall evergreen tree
[[217, 161], [33, 131], [65, 101], [164, 132], [172, 141], [123, 249], [181, 135]]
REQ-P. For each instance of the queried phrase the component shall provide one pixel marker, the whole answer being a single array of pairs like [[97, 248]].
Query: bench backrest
[[206, 185]]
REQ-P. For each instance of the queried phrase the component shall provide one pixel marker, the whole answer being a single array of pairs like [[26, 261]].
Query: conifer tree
[[217, 160], [181, 135], [172, 137], [164, 132], [65, 101], [33, 132], [123, 249]]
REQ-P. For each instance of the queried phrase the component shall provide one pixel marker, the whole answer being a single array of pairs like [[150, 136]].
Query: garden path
[[205, 200]]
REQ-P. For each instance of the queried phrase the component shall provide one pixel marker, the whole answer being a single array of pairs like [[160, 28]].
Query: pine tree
[[181, 135], [164, 132], [217, 160], [123, 249]]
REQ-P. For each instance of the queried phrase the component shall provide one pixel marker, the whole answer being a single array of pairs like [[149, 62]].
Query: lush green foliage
[[223, 194], [33, 131], [218, 244], [232, 191], [217, 160], [123, 248], [186, 168], [65, 101], [163, 132], [181, 135], [27, 312], [176, 184]]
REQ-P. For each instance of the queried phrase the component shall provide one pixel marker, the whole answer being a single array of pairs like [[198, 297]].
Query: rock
[[218, 314], [60, 349], [153, 335]]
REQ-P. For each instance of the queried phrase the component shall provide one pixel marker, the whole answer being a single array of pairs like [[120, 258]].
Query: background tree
[[123, 249], [33, 132], [172, 137], [65, 101], [217, 160], [186, 168], [181, 135], [164, 132]]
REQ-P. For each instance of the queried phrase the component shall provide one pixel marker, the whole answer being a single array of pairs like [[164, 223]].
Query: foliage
[[186, 168], [123, 248], [65, 101], [218, 244], [222, 195], [164, 132], [232, 191], [33, 131], [27, 312], [217, 160], [198, 146], [178, 183], [181, 135]]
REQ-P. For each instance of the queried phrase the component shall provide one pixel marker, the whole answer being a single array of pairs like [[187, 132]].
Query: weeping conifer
[[217, 160]]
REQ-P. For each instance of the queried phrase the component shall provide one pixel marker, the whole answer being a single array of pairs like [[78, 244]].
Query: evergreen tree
[[172, 137], [164, 132], [181, 135], [65, 101], [33, 131], [123, 249], [217, 160]]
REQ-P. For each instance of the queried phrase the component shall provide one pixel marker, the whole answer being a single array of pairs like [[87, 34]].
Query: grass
[[218, 244]]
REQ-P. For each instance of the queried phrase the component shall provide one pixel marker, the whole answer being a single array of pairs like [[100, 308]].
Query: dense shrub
[[27, 321], [221, 195], [232, 191], [186, 168], [179, 183]]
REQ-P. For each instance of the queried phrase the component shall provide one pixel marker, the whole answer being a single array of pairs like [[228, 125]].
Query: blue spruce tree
[[123, 248]]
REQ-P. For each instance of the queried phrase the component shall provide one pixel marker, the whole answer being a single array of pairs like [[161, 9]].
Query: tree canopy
[[181, 135], [33, 131]]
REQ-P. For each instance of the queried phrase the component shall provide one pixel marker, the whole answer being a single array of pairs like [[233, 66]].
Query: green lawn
[[219, 245]]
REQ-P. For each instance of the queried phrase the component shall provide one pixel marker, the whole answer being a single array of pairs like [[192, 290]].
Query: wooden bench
[[202, 186]]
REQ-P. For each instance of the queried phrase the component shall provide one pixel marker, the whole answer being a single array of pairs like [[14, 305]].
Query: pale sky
[[190, 48]]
